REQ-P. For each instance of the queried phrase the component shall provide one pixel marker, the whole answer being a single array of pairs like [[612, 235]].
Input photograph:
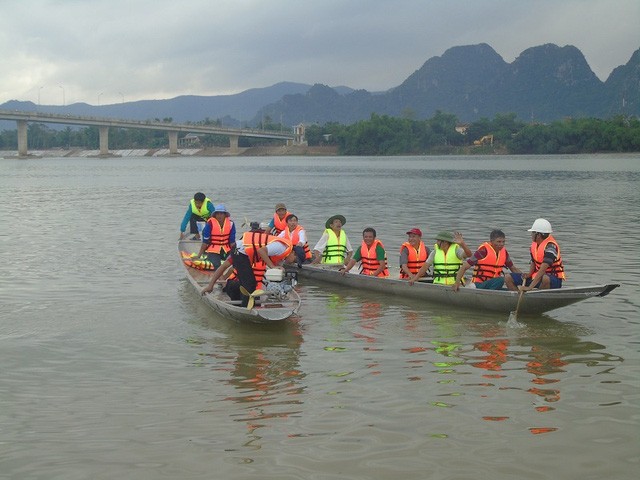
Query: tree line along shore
[[379, 135]]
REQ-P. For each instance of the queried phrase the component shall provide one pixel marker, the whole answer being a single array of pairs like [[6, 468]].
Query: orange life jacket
[[253, 241], [369, 260], [416, 257], [279, 224], [295, 239], [219, 236], [537, 255], [491, 265]]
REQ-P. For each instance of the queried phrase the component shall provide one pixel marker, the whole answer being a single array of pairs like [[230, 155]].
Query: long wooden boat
[[272, 307], [503, 301]]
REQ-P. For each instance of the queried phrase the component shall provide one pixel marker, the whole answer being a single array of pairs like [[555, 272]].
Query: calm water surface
[[113, 368]]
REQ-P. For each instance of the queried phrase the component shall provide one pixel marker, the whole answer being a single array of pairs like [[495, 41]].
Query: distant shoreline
[[264, 151]]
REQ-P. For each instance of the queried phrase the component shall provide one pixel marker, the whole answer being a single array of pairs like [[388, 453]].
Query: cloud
[[107, 51]]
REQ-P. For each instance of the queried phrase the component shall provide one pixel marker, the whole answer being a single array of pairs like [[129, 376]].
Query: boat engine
[[278, 283]]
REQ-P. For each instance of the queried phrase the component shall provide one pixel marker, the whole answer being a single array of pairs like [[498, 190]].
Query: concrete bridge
[[103, 124]]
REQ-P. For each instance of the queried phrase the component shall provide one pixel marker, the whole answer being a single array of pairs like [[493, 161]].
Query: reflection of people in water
[[266, 373]]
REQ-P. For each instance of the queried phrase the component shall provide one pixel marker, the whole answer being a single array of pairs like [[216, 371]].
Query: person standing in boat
[[218, 236], [199, 210], [446, 258], [334, 246], [371, 255], [546, 268], [413, 254], [255, 249], [489, 261], [279, 221], [296, 233]]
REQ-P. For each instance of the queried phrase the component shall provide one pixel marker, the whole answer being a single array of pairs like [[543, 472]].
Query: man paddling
[[489, 261], [546, 268]]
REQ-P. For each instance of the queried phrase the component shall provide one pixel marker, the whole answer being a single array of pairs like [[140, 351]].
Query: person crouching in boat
[[296, 233], [199, 210], [446, 258], [546, 268], [218, 236], [489, 261], [371, 255], [252, 256], [413, 254], [334, 246]]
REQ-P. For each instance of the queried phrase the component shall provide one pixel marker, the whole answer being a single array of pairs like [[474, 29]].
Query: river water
[[112, 367]]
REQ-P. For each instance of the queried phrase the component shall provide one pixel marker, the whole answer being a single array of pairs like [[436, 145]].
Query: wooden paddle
[[252, 296], [513, 316]]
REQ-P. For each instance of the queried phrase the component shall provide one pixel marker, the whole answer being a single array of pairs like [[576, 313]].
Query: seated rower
[[371, 255], [279, 221], [546, 267], [334, 246], [199, 210], [446, 258], [413, 254], [296, 233], [252, 256], [218, 236], [489, 261]]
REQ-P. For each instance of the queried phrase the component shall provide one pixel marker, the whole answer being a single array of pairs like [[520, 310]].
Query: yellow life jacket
[[336, 249], [446, 266], [202, 211]]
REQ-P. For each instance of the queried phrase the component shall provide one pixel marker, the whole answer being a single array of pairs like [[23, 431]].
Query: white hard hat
[[541, 226]]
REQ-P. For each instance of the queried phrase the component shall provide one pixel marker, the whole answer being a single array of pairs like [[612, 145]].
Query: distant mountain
[[623, 88], [237, 108], [543, 83]]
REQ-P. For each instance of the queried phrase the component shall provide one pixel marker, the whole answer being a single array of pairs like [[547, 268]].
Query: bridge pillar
[[22, 138], [173, 143], [104, 139], [233, 143]]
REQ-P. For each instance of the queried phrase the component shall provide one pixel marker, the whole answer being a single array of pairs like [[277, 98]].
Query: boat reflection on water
[[261, 364], [546, 351]]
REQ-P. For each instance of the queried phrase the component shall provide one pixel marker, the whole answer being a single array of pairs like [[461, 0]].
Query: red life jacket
[[537, 255], [491, 265], [295, 239], [416, 257], [369, 261], [219, 236]]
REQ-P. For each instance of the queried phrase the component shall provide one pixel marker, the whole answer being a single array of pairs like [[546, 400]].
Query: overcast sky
[[109, 51]]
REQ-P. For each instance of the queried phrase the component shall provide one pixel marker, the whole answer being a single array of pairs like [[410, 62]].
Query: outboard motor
[[278, 283]]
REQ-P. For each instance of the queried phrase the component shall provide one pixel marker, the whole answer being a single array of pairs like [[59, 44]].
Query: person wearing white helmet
[[546, 268]]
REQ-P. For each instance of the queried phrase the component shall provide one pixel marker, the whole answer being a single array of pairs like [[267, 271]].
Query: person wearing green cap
[[446, 258], [334, 246]]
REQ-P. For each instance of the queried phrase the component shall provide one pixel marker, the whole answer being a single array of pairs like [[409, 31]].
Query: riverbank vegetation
[[385, 135]]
